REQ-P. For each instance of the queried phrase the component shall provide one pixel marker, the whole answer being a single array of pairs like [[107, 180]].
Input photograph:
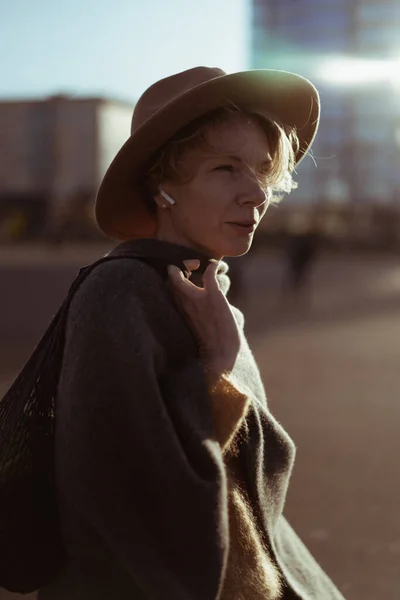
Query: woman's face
[[219, 208]]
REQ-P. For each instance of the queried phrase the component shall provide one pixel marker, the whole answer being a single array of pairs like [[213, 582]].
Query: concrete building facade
[[57, 147]]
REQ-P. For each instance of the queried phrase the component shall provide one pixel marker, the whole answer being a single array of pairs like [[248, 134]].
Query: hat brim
[[289, 98]]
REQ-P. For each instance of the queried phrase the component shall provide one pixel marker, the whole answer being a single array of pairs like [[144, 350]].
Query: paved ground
[[331, 370], [335, 387]]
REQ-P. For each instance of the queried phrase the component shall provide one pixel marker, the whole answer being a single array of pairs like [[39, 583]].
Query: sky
[[115, 48]]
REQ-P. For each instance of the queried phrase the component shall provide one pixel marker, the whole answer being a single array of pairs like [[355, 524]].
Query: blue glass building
[[357, 151]]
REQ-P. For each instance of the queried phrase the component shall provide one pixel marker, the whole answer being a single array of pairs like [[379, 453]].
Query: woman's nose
[[252, 193]]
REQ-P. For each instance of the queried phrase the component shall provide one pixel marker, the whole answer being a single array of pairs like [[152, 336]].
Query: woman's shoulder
[[124, 271], [118, 285]]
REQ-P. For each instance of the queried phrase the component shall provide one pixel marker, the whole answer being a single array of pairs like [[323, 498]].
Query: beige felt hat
[[170, 104]]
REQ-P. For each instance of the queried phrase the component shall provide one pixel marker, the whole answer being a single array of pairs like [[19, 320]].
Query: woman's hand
[[209, 316]]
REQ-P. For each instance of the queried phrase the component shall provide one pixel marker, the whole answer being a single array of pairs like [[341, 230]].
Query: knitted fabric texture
[[250, 572]]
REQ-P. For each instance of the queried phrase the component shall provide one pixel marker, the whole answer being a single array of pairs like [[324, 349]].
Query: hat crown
[[166, 90]]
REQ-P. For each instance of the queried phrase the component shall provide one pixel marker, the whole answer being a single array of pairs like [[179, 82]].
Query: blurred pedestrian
[[301, 251], [171, 471]]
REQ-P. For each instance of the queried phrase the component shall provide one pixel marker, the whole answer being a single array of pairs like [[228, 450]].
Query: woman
[[171, 471]]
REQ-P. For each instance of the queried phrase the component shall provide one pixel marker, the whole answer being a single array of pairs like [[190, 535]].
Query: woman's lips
[[243, 228]]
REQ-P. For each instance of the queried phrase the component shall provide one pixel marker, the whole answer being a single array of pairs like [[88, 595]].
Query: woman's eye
[[229, 168]]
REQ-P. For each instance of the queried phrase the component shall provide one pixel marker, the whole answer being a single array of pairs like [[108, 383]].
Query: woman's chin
[[237, 247], [222, 246]]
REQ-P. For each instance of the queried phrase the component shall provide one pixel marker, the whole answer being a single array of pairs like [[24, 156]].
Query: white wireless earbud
[[167, 197]]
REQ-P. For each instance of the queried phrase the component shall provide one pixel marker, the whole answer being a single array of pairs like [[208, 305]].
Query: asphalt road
[[330, 364]]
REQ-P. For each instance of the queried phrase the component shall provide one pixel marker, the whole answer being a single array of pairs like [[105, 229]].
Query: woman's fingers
[[180, 283], [191, 264], [208, 314], [210, 276], [175, 274]]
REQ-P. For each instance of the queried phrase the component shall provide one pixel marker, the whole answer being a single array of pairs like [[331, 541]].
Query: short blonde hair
[[165, 164]]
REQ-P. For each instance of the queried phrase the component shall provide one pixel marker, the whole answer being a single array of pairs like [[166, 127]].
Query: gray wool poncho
[[159, 498]]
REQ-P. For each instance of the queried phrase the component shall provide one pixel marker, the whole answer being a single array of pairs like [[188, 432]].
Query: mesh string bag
[[31, 544], [31, 548]]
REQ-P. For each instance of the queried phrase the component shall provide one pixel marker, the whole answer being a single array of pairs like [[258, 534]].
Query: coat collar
[[174, 254]]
